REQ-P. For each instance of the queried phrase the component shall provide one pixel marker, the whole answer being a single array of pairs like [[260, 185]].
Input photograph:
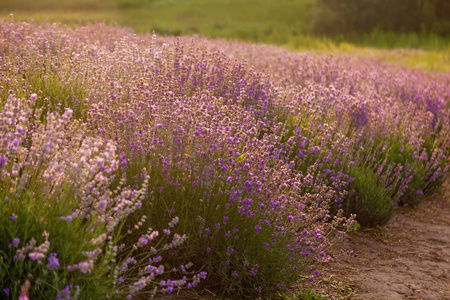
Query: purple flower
[[53, 262], [143, 241], [36, 256], [225, 219], [13, 217], [14, 144], [65, 293], [2, 161]]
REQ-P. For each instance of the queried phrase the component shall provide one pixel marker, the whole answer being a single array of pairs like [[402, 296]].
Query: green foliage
[[368, 198], [70, 5], [54, 94], [304, 295], [403, 154], [364, 16], [36, 214]]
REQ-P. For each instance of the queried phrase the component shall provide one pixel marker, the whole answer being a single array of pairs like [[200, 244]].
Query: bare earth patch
[[409, 258]]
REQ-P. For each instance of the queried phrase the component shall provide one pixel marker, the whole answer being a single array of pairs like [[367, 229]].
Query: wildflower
[[53, 262], [21, 253], [16, 242], [14, 145], [84, 266], [3, 160], [142, 241], [99, 240], [174, 222], [24, 290], [36, 256], [13, 217], [65, 293]]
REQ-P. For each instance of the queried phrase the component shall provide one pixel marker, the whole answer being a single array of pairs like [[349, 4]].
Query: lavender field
[[135, 164]]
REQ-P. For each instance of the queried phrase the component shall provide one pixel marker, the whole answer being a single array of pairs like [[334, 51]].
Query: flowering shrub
[[123, 154], [61, 235]]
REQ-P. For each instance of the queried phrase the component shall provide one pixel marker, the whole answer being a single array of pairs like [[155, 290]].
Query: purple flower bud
[[53, 262], [2, 161]]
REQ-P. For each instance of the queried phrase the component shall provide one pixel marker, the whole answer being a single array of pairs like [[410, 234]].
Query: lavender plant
[[153, 152], [61, 224]]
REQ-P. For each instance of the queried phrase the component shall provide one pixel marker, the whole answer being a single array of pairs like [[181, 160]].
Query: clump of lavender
[[62, 222], [250, 171]]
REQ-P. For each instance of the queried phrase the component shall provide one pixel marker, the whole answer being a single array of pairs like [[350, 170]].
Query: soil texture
[[409, 258]]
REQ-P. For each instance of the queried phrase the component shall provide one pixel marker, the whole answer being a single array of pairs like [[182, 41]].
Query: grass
[[285, 22]]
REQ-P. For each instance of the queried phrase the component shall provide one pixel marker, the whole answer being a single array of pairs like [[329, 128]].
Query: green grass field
[[281, 22]]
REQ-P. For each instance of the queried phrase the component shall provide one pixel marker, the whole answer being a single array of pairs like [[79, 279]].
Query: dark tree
[[361, 16]]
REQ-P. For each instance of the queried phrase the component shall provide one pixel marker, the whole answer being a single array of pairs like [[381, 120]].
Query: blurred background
[[364, 27]]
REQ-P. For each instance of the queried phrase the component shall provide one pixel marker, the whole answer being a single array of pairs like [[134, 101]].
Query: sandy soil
[[409, 258]]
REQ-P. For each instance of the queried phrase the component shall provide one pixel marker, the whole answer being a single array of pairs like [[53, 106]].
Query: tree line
[[363, 16]]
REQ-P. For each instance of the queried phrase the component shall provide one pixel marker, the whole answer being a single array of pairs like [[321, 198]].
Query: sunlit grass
[[66, 17], [429, 60], [413, 58]]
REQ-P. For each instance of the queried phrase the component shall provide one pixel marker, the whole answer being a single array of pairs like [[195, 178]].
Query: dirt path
[[407, 259]]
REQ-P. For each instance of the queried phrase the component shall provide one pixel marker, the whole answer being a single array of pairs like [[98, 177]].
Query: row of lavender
[[395, 118], [131, 164]]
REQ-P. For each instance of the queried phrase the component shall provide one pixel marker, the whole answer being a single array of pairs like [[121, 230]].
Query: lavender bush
[[61, 224], [135, 164]]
